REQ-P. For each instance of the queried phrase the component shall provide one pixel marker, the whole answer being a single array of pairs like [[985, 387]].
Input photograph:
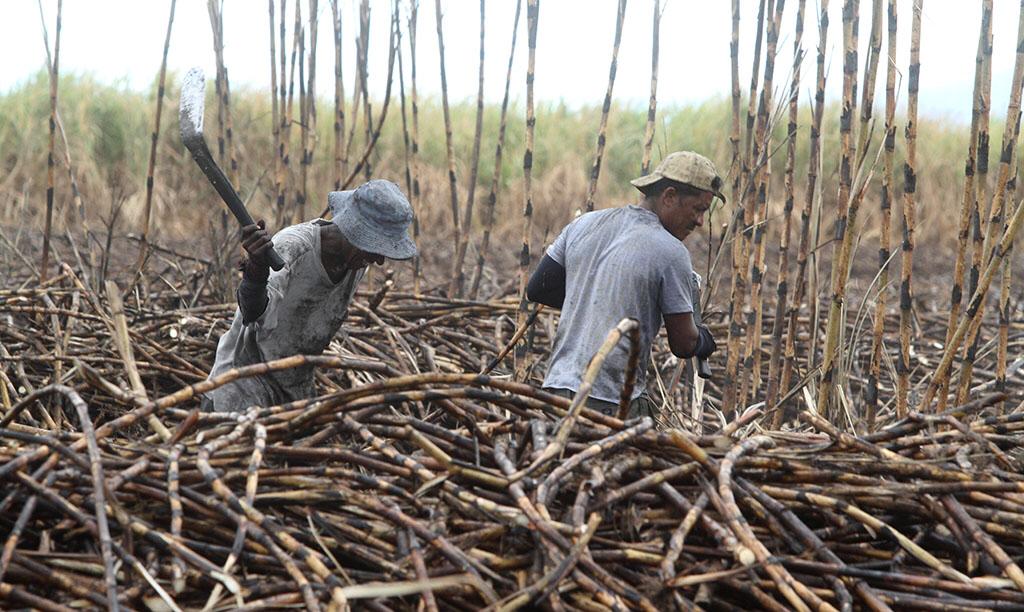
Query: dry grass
[[109, 127]]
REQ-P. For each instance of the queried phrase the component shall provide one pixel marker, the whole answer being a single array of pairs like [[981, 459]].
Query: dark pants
[[640, 407]]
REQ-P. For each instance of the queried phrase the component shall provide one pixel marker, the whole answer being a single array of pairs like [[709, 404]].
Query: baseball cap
[[685, 167]]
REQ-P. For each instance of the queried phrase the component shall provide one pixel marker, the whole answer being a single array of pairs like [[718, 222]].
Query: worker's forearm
[[252, 293]]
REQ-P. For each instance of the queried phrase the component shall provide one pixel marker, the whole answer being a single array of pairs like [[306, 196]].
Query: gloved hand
[[706, 345], [256, 242]]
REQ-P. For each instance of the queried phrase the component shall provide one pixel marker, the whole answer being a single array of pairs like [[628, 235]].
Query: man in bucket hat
[[630, 261], [298, 309]]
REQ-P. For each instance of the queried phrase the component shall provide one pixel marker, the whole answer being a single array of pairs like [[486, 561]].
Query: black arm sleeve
[[252, 293], [547, 285]]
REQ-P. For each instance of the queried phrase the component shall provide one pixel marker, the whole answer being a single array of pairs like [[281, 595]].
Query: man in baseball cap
[[628, 262], [299, 309]]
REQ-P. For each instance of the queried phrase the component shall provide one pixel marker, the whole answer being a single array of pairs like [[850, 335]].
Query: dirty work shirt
[[304, 311], [619, 262]]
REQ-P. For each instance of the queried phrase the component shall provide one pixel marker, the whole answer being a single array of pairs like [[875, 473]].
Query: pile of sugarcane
[[413, 480]]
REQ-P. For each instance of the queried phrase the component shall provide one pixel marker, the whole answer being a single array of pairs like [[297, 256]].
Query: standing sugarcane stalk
[[909, 211], [405, 112], [864, 134], [978, 217], [362, 42], [155, 136], [1002, 348], [602, 130], [301, 187], [298, 48], [762, 181], [225, 125], [856, 190], [458, 279], [415, 144], [50, 159], [846, 214], [968, 327], [807, 213], [532, 16], [339, 97], [782, 288], [453, 191], [275, 109], [309, 124], [284, 118], [996, 222], [364, 77], [374, 132], [967, 202], [287, 108], [884, 255], [492, 197], [868, 92], [652, 104], [734, 134], [741, 238]]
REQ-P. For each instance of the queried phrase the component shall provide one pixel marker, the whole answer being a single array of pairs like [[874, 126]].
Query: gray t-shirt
[[619, 262], [304, 311]]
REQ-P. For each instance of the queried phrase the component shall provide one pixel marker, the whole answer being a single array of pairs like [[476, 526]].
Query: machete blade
[[193, 102]]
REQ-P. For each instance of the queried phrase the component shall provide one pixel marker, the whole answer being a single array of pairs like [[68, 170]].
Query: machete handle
[[703, 368], [201, 154]]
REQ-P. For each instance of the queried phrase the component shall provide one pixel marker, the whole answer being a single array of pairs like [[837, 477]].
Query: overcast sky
[[122, 40]]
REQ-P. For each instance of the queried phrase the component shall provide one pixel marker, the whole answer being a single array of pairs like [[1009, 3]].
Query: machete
[[193, 102]]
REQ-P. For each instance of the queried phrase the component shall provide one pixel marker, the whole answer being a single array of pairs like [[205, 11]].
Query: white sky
[[123, 40]]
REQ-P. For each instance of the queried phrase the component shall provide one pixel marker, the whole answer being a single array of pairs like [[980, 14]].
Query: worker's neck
[[649, 204]]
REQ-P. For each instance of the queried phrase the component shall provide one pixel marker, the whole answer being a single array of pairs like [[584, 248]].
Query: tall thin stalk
[[284, 117], [741, 234], [978, 216], [909, 212], [458, 279], [967, 201], [287, 131], [602, 130], [339, 97], [309, 125], [492, 197], [808, 210], [362, 54], [762, 182], [652, 104], [415, 144], [275, 108], [364, 77], [225, 125], [846, 217], [734, 134], [782, 288], [154, 137], [884, 237], [1002, 346], [453, 190], [405, 112], [373, 135], [301, 187], [532, 16], [969, 325], [51, 161]]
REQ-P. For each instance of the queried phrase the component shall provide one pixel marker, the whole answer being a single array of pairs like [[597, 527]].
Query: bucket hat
[[685, 167], [375, 218]]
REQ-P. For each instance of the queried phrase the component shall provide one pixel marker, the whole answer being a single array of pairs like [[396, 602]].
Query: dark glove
[[256, 242], [706, 345]]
